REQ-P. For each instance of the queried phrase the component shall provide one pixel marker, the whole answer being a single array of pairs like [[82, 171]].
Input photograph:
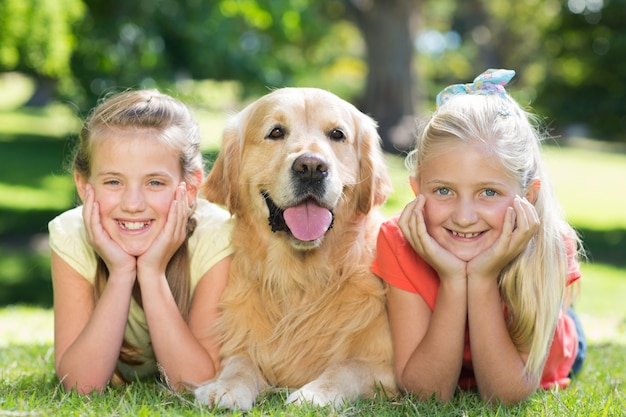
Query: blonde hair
[[175, 127], [533, 285]]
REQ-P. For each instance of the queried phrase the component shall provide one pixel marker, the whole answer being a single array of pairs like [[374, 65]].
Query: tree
[[260, 43], [36, 38], [386, 26], [481, 34], [585, 85]]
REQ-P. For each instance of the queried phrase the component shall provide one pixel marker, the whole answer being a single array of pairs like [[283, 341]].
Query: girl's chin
[[134, 249], [135, 253], [465, 255]]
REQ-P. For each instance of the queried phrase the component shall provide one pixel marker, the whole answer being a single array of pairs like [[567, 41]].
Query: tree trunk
[[45, 90], [386, 26]]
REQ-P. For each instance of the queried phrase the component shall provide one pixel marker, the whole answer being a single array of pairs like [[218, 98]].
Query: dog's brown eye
[[337, 135], [276, 133]]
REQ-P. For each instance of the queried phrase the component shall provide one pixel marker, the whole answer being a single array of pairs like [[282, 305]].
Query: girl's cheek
[[433, 210], [499, 213]]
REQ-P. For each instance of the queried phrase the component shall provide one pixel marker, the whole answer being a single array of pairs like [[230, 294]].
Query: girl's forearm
[[435, 365], [90, 361], [180, 354], [498, 365]]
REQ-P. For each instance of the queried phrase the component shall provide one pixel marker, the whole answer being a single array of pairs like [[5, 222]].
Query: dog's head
[[300, 159]]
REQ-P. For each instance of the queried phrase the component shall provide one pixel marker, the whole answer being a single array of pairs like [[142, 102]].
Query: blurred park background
[[388, 57]]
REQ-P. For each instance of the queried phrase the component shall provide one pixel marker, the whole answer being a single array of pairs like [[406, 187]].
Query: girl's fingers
[[527, 219], [520, 224], [410, 220], [520, 215], [407, 213], [181, 212], [91, 213], [420, 225], [174, 231], [531, 213], [176, 217]]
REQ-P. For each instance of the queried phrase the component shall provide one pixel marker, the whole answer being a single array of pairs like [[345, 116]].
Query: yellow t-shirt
[[209, 243]]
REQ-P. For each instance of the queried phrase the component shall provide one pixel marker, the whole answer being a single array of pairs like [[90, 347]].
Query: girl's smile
[[467, 194], [465, 235], [134, 225]]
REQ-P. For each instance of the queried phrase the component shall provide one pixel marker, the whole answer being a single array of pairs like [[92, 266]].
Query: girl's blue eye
[[155, 183], [442, 191], [491, 193]]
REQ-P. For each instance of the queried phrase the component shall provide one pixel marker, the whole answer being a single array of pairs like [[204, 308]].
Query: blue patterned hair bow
[[489, 82]]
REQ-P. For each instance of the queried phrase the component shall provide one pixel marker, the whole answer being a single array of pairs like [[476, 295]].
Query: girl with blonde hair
[[138, 269], [480, 264]]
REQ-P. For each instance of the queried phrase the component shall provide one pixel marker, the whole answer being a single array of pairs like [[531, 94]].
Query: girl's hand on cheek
[[111, 253], [413, 228], [172, 235], [521, 222]]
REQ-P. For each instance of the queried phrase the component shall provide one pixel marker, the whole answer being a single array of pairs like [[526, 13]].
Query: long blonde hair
[[533, 285], [176, 128]]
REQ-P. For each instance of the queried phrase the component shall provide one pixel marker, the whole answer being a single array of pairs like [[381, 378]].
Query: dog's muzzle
[[306, 221]]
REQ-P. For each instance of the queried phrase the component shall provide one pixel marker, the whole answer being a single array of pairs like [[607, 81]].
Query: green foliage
[[25, 277], [569, 63], [16, 89], [585, 82], [263, 43], [36, 36], [34, 185], [491, 34]]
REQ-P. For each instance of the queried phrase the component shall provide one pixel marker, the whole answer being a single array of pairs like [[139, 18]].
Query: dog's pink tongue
[[308, 221]]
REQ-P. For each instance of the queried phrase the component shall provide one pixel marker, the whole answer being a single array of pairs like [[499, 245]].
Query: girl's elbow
[[83, 387], [425, 392], [183, 381], [507, 397]]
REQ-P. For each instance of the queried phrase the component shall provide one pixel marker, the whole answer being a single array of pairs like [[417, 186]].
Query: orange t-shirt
[[399, 265]]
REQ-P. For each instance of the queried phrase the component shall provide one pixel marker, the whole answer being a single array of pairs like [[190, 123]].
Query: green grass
[[586, 183], [28, 387]]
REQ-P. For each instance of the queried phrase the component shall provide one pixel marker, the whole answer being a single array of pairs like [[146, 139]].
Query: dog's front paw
[[224, 395], [317, 395]]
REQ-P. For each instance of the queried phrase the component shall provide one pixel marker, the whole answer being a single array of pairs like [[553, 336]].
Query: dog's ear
[[374, 182], [221, 184]]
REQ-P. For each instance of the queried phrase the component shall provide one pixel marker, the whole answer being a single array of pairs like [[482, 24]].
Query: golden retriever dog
[[303, 174]]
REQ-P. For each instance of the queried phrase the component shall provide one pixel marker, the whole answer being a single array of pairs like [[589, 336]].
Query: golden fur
[[308, 315]]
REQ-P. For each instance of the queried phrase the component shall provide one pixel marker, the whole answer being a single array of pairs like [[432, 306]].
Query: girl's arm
[[428, 347], [498, 365], [187, 352], [87, 336]]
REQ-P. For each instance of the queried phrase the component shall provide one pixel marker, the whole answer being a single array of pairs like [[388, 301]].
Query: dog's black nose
[[310, 167]]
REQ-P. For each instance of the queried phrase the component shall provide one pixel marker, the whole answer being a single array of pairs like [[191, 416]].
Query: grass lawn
[[28, 387], [585, 182]]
